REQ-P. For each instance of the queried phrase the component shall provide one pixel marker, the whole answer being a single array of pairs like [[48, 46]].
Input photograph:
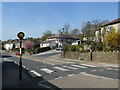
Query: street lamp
[[63, 46], [20, 36], [60, 44], [91, 53]]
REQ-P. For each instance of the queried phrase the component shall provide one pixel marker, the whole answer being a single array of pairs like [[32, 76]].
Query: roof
[[51, 41], [24, 41], [67, 36], [112, 22]]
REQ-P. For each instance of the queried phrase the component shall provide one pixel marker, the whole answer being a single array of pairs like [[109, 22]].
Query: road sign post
[[20, 35]]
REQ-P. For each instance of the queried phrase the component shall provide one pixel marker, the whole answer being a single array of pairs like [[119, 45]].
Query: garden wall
[[105, 57]]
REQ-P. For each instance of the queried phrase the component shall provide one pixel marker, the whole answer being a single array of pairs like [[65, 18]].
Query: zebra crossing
[[63, 68], [51, 71], [78, 66], [47, 70], [60, 68], [70, 67], [58, 71]]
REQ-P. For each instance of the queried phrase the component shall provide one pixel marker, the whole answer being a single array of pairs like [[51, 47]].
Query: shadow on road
[[11, 80], [5, 56]]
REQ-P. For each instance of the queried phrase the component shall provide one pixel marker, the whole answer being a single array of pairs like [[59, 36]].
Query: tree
[[89, 27], [80, 36], [96, 23], [66, 28], [29, 45], [59, 31], [113, 39], [75, 32], [46, 34]]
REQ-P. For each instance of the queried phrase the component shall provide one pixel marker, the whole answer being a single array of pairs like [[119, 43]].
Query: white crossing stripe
[[23, 66], [70, 74], [69, 67], [109, 68], [33, 73], [88, 65], [101, 70], [58, 77], [78, 66], [93, 70], [62, 69], [47, 70]]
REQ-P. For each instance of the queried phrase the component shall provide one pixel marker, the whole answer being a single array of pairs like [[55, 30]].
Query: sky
[[34, 18]]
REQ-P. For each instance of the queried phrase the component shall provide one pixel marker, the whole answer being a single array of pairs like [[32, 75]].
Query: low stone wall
[[105, 57]]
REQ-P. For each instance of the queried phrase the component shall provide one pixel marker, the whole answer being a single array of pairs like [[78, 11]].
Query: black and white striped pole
[[20, 35]]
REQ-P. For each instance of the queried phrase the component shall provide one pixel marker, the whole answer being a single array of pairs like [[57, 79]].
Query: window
[[61, 39], [109, 28]]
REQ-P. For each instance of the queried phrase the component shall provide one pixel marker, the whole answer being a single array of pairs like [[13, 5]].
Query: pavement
[[11, 69], [82, 81], [55, 55], [10, 78]]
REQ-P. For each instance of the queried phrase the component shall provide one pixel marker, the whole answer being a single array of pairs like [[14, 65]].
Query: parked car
[[17, 53], [59, 48]]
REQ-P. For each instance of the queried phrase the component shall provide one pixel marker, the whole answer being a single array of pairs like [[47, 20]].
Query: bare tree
[[66, 28], [75, 32], [59, 31]]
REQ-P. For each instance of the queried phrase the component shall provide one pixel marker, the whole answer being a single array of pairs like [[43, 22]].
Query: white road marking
[[82, 72], [33, 73], [58, 77], [109, 68], [47, 70], [78, 66], [62, 69], [88, 65], [71, 74], [43, 85], [98, 76], [69, 67], [93, 70], [101, 70], [23, 66], [27, 68]]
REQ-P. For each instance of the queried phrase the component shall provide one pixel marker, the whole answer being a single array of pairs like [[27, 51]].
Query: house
[[102, 31], [8, 46], [77, 42], [48, 43], [58, 40], [17, 43]]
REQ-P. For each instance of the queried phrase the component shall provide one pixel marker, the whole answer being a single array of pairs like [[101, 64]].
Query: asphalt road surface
[[57, 71]]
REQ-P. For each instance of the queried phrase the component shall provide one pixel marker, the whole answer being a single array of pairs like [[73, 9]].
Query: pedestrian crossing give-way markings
[[62, 68], [39, 69]]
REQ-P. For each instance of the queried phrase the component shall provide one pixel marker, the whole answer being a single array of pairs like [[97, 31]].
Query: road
[[60, 71]]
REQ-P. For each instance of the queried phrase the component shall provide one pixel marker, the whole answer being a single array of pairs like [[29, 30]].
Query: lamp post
[[60, 45], [20, 35], [63, 46], [91, 53]]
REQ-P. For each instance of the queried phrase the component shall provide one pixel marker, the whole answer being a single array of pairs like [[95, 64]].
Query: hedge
[[38, 50]]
